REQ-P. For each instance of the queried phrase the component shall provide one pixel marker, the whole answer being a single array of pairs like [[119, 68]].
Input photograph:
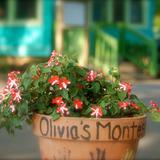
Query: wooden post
[[59, 26], [83, 59]]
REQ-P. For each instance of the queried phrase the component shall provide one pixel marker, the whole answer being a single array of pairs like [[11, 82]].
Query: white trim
[[12, 20]]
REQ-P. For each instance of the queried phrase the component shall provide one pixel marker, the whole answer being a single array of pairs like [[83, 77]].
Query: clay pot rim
[[95, 119]]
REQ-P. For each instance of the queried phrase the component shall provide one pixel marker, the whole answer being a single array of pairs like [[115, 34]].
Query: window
[[136, 12], [25, 9], [113, 11], [99, 10], [118, 10], [3, 9], [20, 11], [74, 13]]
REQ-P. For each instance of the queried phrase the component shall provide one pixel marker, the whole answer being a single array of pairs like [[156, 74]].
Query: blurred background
[[100, 34]]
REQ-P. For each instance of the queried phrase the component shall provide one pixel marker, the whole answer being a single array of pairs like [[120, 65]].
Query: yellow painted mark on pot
[[129, 155]]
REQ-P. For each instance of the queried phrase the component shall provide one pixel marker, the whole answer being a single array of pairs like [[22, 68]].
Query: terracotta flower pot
[[76, 138]]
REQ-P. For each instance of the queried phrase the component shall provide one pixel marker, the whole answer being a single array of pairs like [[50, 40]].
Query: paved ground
[[24, 145]]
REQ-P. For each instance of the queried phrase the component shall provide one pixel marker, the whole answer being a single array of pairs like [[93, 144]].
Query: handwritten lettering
[[118, 135], [44, 122], [74, 132], [98, 155], [88, 134], [82, 131]]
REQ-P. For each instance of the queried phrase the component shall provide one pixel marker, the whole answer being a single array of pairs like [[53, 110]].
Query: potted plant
[[76, 112]]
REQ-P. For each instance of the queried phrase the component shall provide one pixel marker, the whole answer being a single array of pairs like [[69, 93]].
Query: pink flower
[[62, 109], [49, 63], [54, 80], [54, 54], [154, 104], [135, 106], [125, 86], [78, 104], [16, 95], [13, 74], [91, 76], [12, 107], [63, 82], [6, 90], [13, 81], [158, 110], [58, 101], [57, 63], [96, 111], [123, 105]]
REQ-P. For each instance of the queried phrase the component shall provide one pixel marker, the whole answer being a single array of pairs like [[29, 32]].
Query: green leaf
[[46, 70], [95, 87], [55, 116], [111, 90], [102, 104], [114, 110], [81, 71], [22, 109], [49, 110], [155, 116], [33, 70], [58, 69], [86, 111], [73, 91], [122, 95], [26, 83], [64, 94]]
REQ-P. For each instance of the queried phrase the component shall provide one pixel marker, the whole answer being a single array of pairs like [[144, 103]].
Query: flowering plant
[[60, 87]]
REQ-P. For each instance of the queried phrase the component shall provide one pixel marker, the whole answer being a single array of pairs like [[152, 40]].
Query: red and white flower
[[12, 88], [96, 111], [12, 107], [16, 95], [135, 106], [91, 76], [158, 110], [54, 80], [13, 81], [154, 104], [62, 109], [58, 101], [125, 86], [123, 105], [78, 104], [54, 54], [63, 83]]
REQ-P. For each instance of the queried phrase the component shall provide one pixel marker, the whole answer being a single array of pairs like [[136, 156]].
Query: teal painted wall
[[32, 40]]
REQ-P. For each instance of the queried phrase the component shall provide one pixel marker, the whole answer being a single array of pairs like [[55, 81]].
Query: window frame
[[12, 20], [144, 15], [127, 13]]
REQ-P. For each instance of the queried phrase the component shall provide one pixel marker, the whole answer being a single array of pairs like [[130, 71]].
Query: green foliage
[[155, 116]]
